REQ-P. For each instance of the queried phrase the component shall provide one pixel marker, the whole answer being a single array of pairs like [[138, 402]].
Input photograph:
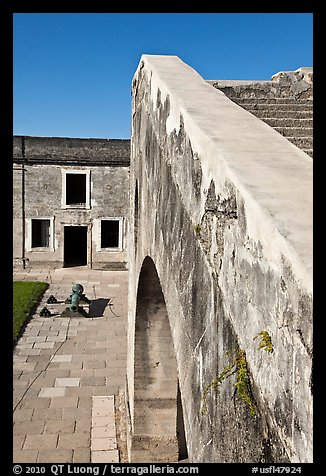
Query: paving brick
[[74, 440], [60, 426], [54, 373], [19, 358], [102, 390], [104, 443], [104, 401], [83, 424], [105, 456], [58, 338], [98, 338], [106, 372], [25, 456], [103, 412], [18, 441], [22, 345], [62, 358], [42, 382], [32, 392], [96, 364], [48, 351], [36, 403], [17, 383], [29, 351], [92, 381], [58, 456], [48, 414], [84, 402], [76, 413], [104, 431], [72, 366], [67, 382], [32, 339], [40, 442], [28, 428], [24, 366], [38, 358], [23, 415], [79, 391], [52, 392], [65, 402], [116, 380], [106, 422], [96, 351], [81, 455], [44, 345]]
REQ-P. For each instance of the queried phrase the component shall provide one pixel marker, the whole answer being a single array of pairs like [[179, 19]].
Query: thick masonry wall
[[222, 204]]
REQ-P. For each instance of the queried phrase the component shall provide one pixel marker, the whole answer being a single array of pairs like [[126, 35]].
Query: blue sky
[[73, 72]]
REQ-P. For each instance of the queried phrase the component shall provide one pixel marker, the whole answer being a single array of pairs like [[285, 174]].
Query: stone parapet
[[296, 84], [221, 206]]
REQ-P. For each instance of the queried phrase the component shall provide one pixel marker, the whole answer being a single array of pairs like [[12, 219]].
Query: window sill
[[79, 207], [40, 249], [110, 250]]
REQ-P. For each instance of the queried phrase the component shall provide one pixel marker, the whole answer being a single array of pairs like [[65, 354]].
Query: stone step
[[302, 142], [289, 108], [149, 449], [295, 131], [288, 122], [279, 113], [272, 101], [308, 151], [156, 403]]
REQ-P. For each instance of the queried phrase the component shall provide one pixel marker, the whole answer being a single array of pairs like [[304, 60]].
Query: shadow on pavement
[[97, 307]]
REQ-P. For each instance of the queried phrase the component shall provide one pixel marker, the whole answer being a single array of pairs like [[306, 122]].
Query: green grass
[[26, 296]]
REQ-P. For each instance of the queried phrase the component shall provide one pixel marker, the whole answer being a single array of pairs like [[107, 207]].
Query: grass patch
[[26, 296]]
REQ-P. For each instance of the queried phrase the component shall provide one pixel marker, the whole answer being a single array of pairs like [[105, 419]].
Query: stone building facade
[[70, 200]]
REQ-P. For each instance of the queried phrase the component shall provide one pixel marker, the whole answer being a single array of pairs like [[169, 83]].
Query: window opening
[[110, 235], [40, 233], [75, 189]]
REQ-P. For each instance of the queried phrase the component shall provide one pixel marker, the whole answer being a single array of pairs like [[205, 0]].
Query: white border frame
[[29, 235], [121, 221], [86, 172]]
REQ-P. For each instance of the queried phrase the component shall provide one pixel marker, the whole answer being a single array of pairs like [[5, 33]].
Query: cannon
[[76, 296], [76, 299]]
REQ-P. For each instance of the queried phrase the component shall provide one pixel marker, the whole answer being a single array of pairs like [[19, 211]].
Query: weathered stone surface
[[284, 103], [222, 208], [39, 192], [71, 151]]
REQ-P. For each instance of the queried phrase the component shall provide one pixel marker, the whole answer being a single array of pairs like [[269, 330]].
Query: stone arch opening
[[158, 434]]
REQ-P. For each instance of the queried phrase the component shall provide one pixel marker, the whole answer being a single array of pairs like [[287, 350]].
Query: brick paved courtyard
[[69, 373]]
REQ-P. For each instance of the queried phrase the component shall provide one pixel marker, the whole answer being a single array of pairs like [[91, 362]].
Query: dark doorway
[[75, 246], [157, 419]]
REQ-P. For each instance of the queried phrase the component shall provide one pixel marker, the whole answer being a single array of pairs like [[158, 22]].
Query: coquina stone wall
[[221, 249]]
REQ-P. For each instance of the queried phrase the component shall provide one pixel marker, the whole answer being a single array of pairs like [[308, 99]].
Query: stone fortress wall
[[220, 280]]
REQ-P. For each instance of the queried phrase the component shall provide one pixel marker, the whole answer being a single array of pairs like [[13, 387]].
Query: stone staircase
[[285, 103]]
